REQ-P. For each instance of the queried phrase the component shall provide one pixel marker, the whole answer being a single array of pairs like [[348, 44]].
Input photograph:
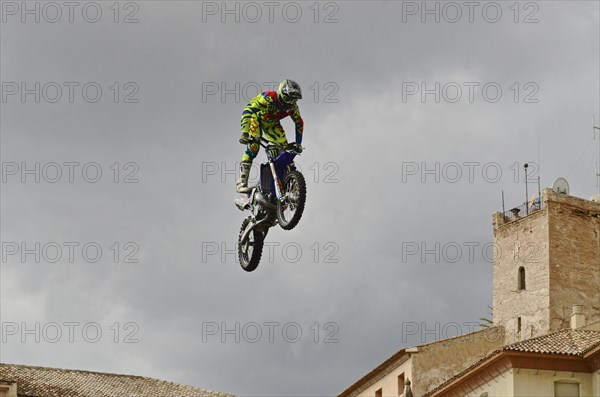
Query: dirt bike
[[278, 198]]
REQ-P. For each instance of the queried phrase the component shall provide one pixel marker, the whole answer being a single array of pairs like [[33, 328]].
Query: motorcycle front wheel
[[290, 208], [250, 250]]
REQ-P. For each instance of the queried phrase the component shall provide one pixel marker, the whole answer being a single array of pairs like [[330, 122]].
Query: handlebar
[[268, 145]]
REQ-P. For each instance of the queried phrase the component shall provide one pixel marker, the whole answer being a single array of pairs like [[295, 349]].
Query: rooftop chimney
[[577, 318]]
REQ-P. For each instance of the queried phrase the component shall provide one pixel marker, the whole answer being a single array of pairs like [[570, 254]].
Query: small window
[[401, 384], [518, 324], [566, 389], [379, 393], [521, 285]]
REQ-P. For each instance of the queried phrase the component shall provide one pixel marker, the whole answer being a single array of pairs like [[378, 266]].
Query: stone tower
[[545, 263]]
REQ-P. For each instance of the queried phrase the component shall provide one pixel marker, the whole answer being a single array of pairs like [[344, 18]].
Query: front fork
[[277, 182]]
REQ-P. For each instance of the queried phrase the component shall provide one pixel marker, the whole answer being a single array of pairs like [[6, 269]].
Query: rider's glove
[[296, 147], [244, 139]]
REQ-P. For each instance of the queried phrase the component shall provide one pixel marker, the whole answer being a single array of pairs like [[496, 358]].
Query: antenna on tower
[[597, 129], [539, 171], [525, 166]]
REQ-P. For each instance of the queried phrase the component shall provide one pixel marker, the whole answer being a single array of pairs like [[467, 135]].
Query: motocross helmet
[[289, 92]]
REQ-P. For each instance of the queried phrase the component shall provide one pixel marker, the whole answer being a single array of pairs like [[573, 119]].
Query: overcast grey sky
[[413, 128]]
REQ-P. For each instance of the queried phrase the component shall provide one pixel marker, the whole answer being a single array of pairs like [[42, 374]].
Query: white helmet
[[289, 92]]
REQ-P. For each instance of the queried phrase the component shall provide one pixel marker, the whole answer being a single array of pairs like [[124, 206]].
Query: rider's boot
[[242, 183]]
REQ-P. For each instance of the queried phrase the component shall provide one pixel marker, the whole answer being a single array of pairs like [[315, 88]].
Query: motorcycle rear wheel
[[250, 250], [290, 209]]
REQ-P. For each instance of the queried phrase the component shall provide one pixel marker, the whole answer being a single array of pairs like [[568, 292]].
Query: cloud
[[387, 170]]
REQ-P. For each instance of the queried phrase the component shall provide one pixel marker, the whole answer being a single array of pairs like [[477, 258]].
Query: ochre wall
[[574, 228], [436, 362]]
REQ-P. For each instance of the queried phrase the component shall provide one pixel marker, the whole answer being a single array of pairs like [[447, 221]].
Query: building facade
[[546, 311]]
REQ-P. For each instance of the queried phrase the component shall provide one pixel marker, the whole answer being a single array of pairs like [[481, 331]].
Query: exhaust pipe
[[260, 199], [256, 197]]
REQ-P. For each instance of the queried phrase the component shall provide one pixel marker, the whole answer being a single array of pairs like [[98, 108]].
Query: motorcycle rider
[[262, 115]]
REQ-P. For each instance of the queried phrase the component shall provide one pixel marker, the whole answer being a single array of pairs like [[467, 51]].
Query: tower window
[[521, 284], [379, 393], [518, 324]]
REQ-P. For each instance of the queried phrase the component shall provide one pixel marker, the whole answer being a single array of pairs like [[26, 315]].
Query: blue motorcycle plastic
[[279, 198]]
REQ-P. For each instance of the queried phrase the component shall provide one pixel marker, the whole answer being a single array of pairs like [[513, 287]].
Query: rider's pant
[[254, 128]]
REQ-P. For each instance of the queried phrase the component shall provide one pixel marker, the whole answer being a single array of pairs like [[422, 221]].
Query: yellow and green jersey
[[263, 114]]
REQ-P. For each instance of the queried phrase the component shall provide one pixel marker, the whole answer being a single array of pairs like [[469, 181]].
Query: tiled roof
[[574, 342], [54, 382], [373, 373], [568, 342], [392, 361]]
